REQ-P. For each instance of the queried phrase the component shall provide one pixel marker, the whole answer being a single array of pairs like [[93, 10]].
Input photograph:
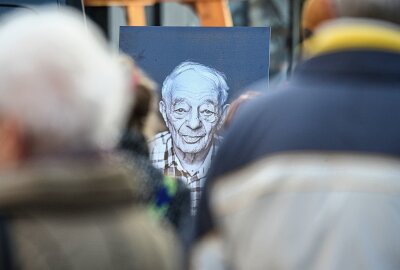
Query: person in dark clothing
[[307, 175], [170, 198]]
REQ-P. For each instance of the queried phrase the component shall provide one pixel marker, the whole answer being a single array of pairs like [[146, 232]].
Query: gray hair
[[387, 10], [217, 77], [61, 82]]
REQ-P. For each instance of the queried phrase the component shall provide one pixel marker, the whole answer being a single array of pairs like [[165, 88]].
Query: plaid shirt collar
[[164, 158], [172, 161]]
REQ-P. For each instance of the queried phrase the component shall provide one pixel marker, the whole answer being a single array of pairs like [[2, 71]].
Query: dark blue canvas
[[241, 53], [200, 71]]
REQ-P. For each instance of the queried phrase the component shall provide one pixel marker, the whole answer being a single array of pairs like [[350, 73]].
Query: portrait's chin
[[192, 145], [192, 139]]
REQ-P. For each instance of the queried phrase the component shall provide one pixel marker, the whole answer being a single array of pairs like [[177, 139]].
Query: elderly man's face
[[192, 112]]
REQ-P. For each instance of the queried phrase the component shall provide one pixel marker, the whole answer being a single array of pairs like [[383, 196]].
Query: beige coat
[[84, 214], [306, 211]]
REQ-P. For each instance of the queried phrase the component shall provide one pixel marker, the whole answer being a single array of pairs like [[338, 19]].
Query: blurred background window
[[7, 6], [282, 15]]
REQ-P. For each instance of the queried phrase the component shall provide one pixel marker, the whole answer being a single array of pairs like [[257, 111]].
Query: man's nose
[[193, 120]]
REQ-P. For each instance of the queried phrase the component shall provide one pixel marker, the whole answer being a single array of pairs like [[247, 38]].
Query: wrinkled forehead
[[193, 85]]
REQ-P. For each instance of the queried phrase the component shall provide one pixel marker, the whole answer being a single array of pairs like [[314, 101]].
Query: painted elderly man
[[193, 107]]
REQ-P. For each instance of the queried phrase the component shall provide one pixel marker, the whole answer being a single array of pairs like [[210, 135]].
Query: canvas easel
[[209, 12]]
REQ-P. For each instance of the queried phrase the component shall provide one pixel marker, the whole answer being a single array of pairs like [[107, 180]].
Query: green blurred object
[[159, 207]]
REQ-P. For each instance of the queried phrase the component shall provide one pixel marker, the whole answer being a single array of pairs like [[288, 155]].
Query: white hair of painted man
[[61, 82], [215, 76]]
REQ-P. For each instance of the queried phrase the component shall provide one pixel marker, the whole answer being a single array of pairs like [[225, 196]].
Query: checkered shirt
[[163, 157]]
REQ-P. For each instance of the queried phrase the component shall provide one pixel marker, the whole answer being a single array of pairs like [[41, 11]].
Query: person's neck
[[192, 162]]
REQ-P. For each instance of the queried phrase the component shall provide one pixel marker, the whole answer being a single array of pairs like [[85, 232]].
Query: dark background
[[241, 53]]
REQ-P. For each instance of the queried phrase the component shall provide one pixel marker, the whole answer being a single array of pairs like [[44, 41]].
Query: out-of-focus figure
[[314, 13], [66, 202], [236, 104], [136, 130], [307, 177], [169, 197]]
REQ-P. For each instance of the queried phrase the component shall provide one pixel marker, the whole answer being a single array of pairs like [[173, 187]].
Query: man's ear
[[163, 111], [11, 143], [225, 110]]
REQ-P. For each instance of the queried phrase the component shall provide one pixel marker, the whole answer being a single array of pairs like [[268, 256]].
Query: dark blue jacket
[[345, 101]]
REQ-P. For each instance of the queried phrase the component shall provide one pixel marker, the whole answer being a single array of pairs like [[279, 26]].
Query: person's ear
[[11, 143], [163, 111], [225, 110]]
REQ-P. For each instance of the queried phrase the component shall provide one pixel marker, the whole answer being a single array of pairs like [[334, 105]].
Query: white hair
[[217, 77], [61, 82]]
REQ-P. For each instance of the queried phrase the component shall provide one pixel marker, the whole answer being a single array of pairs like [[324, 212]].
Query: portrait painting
[[199, 71]]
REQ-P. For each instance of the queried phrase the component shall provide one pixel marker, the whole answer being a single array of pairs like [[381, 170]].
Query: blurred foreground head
[[346, 18], [233, 108], [143, 116], [316, 12], [385, 10], [61, 89]]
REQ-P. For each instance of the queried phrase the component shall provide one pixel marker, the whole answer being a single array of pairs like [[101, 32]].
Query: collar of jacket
[[347, 34], [69, 183]]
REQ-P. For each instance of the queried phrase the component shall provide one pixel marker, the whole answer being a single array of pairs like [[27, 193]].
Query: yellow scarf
[[353, 34]]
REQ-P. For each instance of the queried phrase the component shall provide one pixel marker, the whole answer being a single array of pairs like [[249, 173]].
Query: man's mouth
[[191, 139]]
